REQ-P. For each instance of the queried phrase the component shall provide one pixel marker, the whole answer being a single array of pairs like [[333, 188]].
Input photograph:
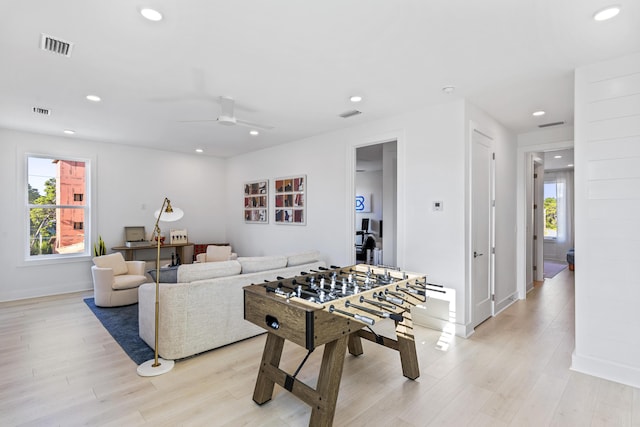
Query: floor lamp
[[158, 366]]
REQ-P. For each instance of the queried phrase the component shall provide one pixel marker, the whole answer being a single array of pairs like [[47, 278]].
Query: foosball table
[[335, 307]]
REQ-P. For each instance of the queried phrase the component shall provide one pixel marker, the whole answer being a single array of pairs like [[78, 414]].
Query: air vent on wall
[[546, 125], [55, 45], [351, 113], [43, 111]]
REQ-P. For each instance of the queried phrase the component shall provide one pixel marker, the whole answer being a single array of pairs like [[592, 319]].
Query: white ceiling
[[292, 65], [558, 159]]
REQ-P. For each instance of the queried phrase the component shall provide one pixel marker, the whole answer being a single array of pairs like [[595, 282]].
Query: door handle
[[476, 254]]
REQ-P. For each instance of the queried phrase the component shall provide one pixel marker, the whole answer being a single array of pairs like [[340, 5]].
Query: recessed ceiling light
[[355, 98], [570, 165], [557, 157], [606, 13], [449, 89], [151, 14], [199, 150], [93, 98], [69, 131], [254, 132], [539, 113]]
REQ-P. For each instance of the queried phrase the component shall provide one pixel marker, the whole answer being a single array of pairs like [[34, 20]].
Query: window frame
[[87, 208]]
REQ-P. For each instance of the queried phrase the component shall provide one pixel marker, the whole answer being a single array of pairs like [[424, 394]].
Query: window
[[550, 210], [56, 209]]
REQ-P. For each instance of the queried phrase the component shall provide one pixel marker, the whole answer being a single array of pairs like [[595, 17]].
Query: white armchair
[[116, 281], [216, 253]]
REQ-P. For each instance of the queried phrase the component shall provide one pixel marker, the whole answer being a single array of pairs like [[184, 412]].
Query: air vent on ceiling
[[55, 45], [351, 113], [546, 125], [43, 111]]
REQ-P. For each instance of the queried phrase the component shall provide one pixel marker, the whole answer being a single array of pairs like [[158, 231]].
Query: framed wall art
[[290, 200], [256, 202]]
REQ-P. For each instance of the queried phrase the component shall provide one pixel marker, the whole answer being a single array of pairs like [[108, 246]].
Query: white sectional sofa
[[204, 309]]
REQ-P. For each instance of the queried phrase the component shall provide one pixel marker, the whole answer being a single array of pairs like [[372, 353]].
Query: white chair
[[216, 253], [116, 281]]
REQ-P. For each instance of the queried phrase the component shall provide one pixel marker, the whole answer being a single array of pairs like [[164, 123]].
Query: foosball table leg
[[270, 357], [329, 383], [408, 357], [355, 345]]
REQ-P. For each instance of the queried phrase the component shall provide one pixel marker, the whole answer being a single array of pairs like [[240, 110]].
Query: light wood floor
[[59, 366]]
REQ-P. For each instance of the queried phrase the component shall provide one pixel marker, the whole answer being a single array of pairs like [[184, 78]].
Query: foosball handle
[[364, 319], [397, 317]]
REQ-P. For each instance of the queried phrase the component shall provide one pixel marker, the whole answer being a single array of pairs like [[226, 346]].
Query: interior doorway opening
[[376, 204], [530, 235]]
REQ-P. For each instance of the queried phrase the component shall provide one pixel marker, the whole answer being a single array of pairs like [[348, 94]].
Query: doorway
[[557, 213], [525, 229], [376, 204]]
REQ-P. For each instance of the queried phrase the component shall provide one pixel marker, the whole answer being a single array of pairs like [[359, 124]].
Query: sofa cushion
[[127, 281], [167, 274], [207, 270], [302, 258], [114, 261], [261, 263], [218, 253]]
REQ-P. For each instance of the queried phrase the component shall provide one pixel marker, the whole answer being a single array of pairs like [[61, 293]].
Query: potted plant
[[99, 248]]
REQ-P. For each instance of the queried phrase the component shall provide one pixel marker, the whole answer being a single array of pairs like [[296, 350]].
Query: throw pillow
[[167, 274], [114, 261]]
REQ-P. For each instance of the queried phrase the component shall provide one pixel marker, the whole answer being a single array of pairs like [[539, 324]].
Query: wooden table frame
[[337, 333]]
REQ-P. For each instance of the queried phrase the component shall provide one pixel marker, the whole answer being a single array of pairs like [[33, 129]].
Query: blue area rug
[[122, 324]]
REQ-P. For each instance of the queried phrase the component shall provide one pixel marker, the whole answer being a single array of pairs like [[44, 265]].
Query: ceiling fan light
[[93, 98], [254, 132], [355, 98], [538, 113]]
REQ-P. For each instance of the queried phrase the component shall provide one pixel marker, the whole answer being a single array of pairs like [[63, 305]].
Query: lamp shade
[[175, 215]]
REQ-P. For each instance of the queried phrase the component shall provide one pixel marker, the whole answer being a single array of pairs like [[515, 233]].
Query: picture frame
[[256, 202], [290, 200]]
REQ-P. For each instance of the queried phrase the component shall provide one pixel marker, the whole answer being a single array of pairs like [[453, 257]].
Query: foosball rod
[[364, 319], [377, 304], [382, 314]]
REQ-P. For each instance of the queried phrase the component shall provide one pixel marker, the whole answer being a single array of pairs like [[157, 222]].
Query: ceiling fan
[[228, 118]]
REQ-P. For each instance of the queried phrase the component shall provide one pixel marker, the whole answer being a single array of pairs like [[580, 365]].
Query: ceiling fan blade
[[253, 125], [195, 121]]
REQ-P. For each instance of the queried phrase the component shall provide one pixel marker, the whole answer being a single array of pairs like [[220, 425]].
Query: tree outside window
[[550, 210]]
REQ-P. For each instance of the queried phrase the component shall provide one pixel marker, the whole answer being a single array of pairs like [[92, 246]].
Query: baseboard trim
[[605, 369]]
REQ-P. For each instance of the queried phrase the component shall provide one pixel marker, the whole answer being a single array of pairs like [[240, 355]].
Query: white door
[[481, 227]]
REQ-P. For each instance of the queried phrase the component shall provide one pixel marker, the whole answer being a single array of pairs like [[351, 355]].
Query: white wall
[[431, 166], [130, 184], [607, 208]]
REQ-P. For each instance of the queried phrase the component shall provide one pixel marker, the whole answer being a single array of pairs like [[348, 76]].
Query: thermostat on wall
[[438, 206]]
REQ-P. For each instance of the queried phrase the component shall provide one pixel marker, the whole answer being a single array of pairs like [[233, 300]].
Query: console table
[[130, 252]]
